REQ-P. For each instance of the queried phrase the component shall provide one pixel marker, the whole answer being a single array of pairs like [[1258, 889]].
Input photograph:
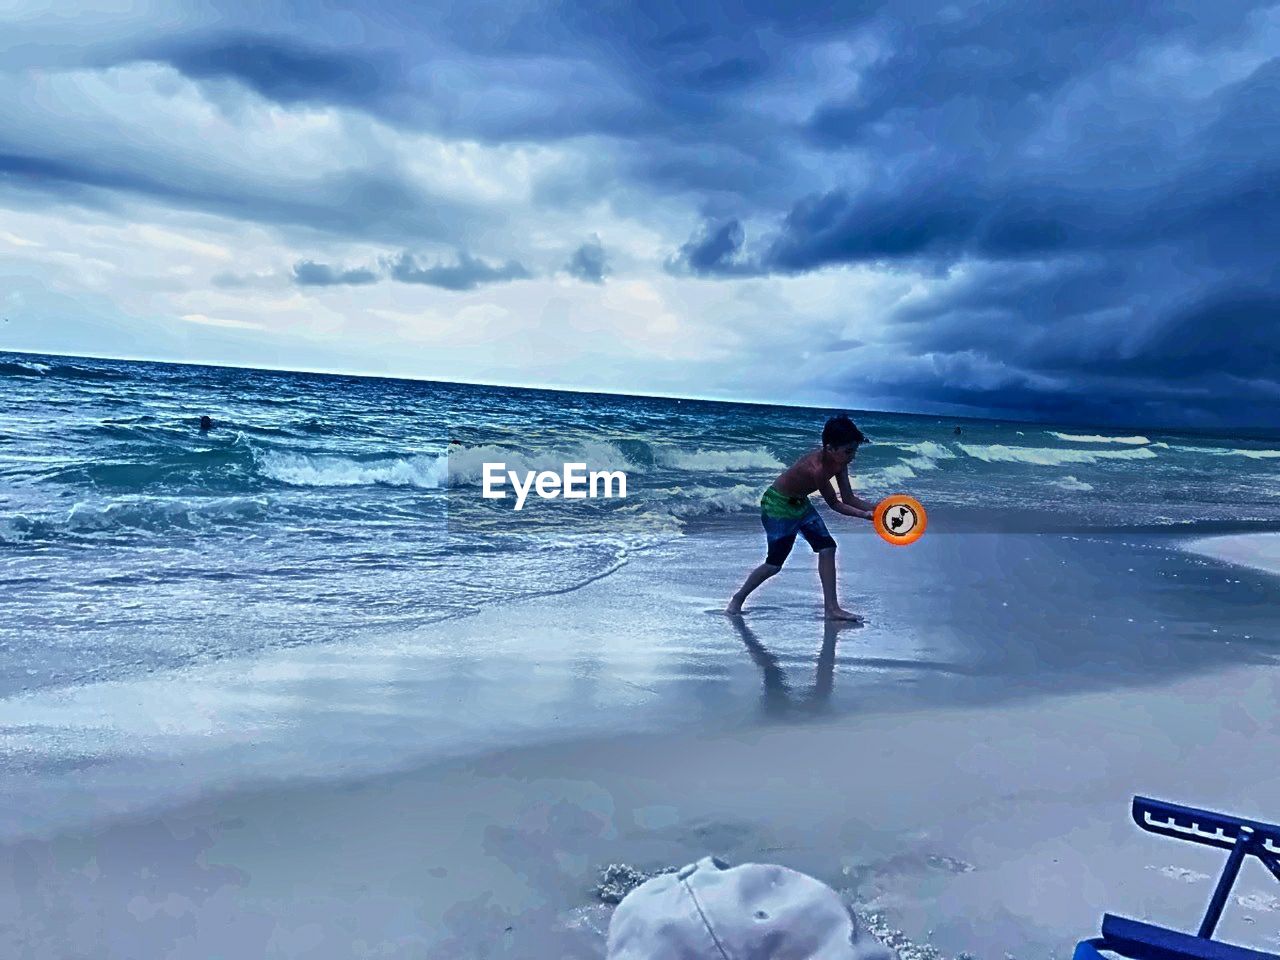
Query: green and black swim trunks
[[783, 517], [778, 505]]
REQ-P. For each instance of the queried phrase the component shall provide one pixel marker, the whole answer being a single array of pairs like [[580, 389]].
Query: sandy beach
[[962, 764]]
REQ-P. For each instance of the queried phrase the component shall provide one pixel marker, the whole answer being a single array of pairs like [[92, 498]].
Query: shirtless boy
[[785, 510]]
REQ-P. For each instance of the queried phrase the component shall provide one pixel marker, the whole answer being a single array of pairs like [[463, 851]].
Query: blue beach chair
[[1145, 941]]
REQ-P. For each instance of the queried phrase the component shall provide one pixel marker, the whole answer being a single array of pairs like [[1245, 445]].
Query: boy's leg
[[827, 573], [756, 577], [819, 538], [781, 535]]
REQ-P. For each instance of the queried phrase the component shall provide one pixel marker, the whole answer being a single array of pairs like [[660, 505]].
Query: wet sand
[[963, 763]]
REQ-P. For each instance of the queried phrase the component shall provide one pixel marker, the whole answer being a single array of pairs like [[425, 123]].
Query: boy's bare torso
[[806, 475]]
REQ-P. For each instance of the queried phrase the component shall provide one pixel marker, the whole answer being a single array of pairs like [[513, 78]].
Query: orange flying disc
[[900, 519]]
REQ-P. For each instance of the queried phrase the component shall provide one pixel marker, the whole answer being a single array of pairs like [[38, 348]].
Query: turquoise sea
[[327, 507]]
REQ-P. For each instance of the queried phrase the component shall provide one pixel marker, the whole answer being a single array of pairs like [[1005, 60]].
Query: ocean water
[[330, 507]]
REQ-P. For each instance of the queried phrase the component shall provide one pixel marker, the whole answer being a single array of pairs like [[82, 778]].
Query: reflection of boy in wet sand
[[785, 510], [779, 699]]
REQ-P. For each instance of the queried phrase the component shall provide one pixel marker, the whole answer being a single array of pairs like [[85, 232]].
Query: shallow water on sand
[[955, 620]]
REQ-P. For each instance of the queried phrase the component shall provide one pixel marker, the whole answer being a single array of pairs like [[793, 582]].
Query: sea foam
[[1098, 438], [710, 460], [305, 470], [1050, 456], [1229, 452]]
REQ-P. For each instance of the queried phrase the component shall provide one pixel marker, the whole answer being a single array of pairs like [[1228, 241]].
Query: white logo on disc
[[900, 520]]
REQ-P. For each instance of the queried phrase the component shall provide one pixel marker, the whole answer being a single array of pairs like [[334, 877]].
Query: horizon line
[[502, 386], [581, 391]]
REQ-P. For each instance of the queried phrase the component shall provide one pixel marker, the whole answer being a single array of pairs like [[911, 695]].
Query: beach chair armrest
[[1146, 941]]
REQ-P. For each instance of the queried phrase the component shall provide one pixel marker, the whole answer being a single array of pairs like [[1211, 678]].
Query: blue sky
[[1058, 211]]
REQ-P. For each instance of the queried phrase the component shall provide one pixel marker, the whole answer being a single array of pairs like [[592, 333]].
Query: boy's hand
[[842, 505]]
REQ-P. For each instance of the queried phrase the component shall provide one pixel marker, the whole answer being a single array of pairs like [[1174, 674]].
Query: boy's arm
[[848, 510], [847, 495]]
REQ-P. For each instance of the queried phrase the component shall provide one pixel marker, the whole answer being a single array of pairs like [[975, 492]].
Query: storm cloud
[[279, 68], [308, 273], [465, 273], [589, 262], [1031, 210]]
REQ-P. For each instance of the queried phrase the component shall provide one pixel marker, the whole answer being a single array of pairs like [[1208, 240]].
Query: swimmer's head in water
[[206, 423]]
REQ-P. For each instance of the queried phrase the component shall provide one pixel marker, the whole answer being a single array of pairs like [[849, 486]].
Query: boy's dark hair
[[840, 432]]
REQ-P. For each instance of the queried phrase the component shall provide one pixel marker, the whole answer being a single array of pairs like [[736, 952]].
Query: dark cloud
[[1122, 265], [727, 74], [589, 262], [61, 176], [466, 273], [715, 250], [837, 228], [379, 205], [308, 273], [1087, 339], [280, 68], [841, 344], [670, 83], [1234, 330], [925, 224], [954, 81], [246, 281]]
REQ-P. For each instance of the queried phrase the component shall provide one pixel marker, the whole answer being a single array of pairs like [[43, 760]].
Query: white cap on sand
[[755, 911]]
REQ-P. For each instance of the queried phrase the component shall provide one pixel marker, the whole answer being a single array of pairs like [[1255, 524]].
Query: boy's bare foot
[[734, 609], [838, 613]]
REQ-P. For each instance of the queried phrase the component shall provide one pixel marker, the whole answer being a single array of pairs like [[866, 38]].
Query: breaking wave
[[711, 460], [1096, 438], [307, 470], [896, 473], [1049, 456], [31, 368], [1229, 452], [709, 501], [133, 515], [927, 448]]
